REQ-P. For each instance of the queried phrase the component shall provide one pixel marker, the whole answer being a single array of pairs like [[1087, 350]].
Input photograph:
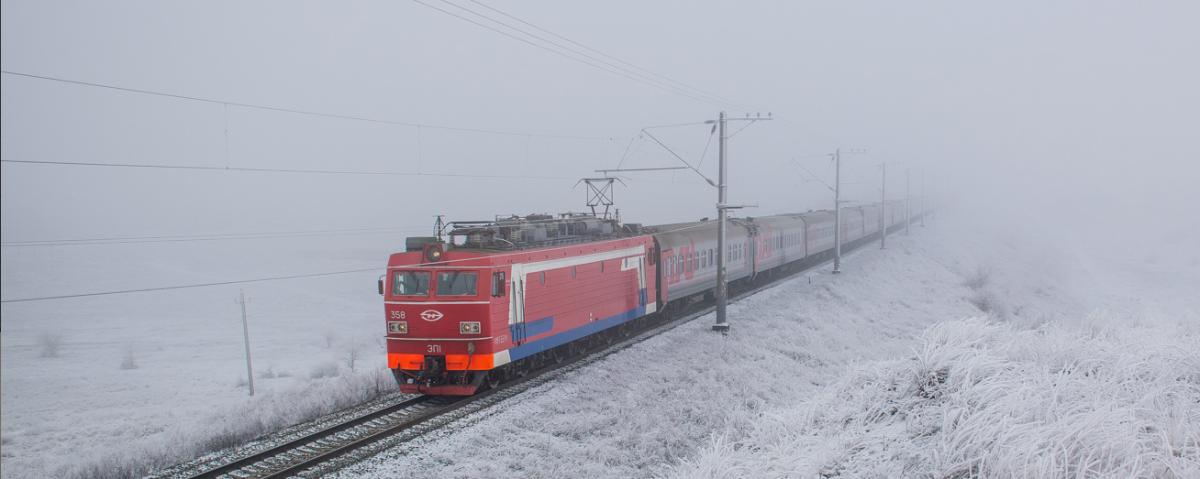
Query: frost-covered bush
[[49, 344], [982, 399], [263, 414], [128, 361], [978, 279], [326, 369]]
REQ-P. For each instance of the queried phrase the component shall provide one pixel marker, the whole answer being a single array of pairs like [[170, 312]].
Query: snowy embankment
[[636, 412], [1078, 369], [988, 399], [958, 352]]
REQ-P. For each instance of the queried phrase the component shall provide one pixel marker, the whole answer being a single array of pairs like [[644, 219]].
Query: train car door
[[516, 304]]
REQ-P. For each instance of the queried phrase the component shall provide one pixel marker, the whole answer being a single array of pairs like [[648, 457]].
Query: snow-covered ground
[[963, 349], [121, 384], [1087, 365], [960, 348]]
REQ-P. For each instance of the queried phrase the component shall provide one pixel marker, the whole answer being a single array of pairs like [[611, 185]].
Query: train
[[486, 301]]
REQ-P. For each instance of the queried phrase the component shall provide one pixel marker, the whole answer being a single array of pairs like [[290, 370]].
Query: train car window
[[498, 284], [695, 261], [457, 283], [410, 283], [542, 278]]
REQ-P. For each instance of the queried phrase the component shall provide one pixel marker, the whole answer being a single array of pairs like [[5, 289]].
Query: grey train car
[[687, 251], [688, 256], [780, 241]]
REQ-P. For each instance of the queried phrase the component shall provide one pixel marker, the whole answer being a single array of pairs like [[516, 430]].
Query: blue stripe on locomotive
[[531, 348]]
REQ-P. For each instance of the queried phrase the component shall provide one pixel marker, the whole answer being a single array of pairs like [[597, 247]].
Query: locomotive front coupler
[[433, 367]]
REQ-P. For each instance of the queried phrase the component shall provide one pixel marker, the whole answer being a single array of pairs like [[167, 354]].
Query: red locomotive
[[501, 296]]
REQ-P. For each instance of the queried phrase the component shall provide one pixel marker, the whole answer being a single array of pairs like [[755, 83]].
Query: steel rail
[[286, 447]]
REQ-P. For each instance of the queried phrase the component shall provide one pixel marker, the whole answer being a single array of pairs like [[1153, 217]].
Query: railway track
[[366, 434], [290, 457], [333, 446]]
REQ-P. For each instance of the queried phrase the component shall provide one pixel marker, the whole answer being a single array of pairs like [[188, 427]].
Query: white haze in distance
[[1080, 113]]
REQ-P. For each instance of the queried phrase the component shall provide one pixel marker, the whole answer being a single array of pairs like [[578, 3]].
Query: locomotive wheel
[[494, 379]]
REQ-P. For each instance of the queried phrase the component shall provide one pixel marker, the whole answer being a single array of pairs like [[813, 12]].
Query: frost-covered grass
[[1082, 362], [115, 386], [988, 399], [266, 413]]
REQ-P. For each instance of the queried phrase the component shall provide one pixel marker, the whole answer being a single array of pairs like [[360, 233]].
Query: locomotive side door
[[638, 263], [516, 304]]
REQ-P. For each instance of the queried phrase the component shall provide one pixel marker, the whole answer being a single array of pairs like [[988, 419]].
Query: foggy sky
[[1085, 110]]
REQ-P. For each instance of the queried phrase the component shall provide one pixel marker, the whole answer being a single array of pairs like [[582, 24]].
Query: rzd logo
[[431, 315]]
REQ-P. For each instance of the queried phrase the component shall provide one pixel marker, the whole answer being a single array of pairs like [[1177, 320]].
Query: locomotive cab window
[[410, 283], [456, 283], [498, 284]]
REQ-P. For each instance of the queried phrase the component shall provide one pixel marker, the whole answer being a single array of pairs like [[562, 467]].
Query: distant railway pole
[[907, 200], [836, 188], [883, 222], [923, 212], [837, 211], [246, 337]]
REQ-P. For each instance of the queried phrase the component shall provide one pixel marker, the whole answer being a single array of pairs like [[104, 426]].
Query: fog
[[260, 139], [1050, 109]]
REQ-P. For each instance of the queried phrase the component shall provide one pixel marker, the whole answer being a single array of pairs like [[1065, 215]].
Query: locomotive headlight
[[398, 327], [433, 254], [468, 327]]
